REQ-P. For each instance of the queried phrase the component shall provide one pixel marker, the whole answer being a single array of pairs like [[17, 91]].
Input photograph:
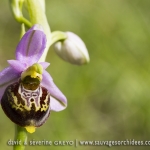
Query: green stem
[[22, 30], [57, 36], [20, 137], [24, 20], [16, 6]]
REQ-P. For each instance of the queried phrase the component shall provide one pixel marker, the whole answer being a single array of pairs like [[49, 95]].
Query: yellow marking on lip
[[15, 104], [45, 106]]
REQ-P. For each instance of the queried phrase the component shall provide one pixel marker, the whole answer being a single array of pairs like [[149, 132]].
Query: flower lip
[[25, 110]]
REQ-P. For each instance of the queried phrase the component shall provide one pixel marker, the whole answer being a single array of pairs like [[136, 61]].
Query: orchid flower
[[27, 90]]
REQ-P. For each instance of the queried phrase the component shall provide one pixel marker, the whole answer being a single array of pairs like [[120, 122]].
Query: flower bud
[[72, 49]]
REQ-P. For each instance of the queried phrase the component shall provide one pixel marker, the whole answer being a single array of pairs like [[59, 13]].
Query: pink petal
[[56, 105], [44, 64], [7, 77], [17, 65], [58, 100]]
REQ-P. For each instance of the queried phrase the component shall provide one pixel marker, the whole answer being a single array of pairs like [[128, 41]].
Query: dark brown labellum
[[26, 107]]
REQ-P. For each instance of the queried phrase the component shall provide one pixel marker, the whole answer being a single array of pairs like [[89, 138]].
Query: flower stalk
[[20, 132], [57, 36], [21, 137]]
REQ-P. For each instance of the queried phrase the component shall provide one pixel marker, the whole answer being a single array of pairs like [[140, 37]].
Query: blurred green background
[[108, 99]]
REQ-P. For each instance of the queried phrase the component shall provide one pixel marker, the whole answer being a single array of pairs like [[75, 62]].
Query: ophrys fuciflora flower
[[27, 90]]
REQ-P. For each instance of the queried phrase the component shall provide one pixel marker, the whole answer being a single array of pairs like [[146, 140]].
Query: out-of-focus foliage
[[108, 99]]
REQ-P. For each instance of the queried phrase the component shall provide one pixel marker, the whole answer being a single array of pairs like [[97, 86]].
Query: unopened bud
[[72, 49]]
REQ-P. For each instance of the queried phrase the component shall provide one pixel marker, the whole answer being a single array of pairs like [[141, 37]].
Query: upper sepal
[[31, 46]]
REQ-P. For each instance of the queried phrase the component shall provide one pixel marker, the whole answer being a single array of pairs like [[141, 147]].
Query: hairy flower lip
[[21, 110], [28, 52]]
